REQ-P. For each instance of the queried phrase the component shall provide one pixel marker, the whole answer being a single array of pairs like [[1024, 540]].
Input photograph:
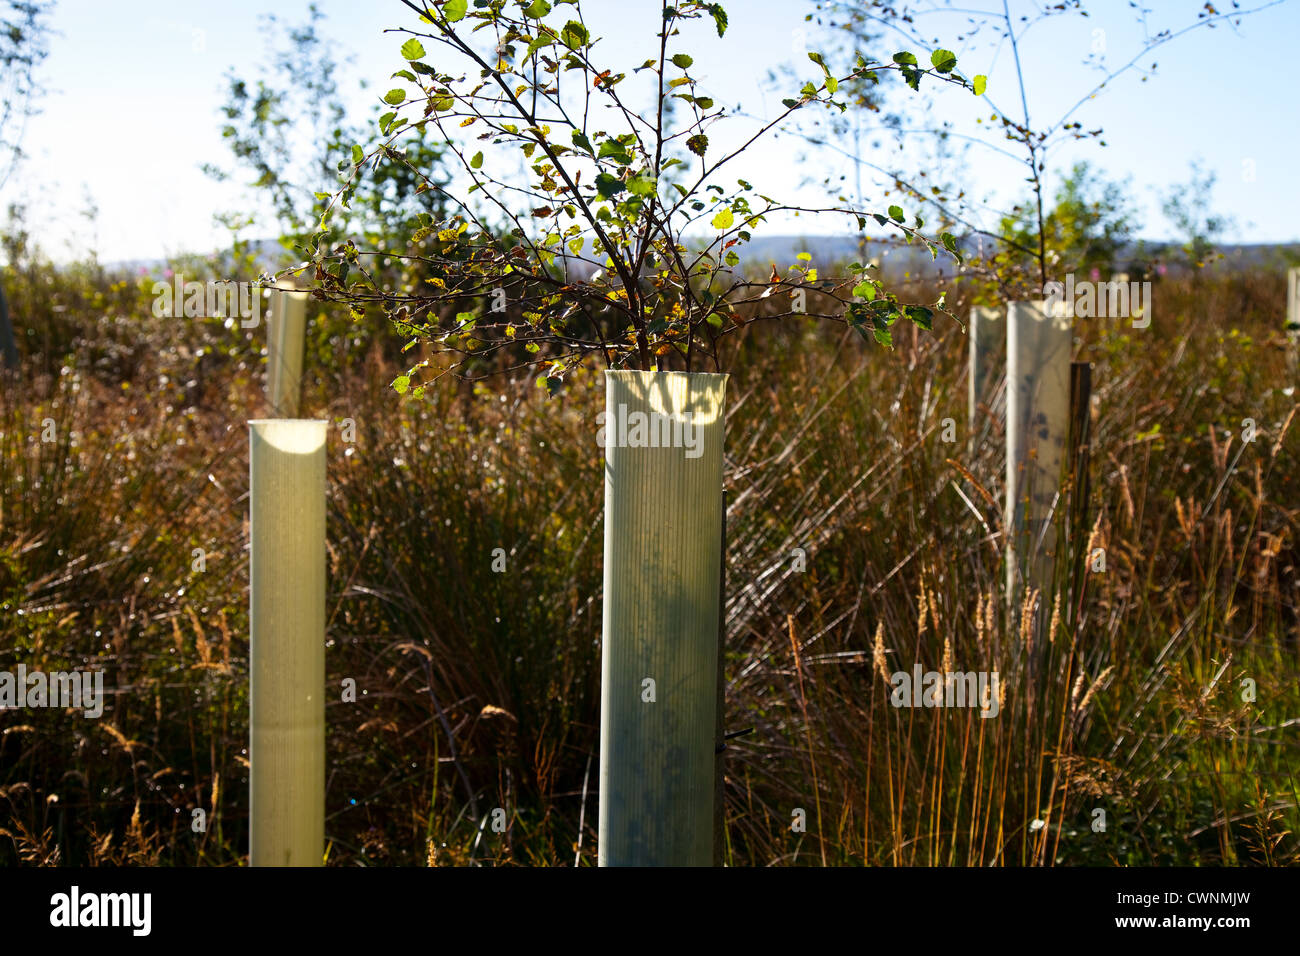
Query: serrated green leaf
[[537, 9], [920, 316], [477, 161], [943, 60], [608, 186], [724, 219], [358, 155], [395, 96], [613, 149], [401, 384], [641, 185], [682, 60], [980, 84], [580, 140], [574, 35], [455, 10], [896, 213], [719, 17], [412, 49]]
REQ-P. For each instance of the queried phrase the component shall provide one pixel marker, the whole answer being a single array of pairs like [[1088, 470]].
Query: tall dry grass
[[480, 690]]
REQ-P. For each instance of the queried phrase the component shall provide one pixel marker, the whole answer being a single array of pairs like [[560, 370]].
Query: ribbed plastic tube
[[286, 336], [663, 435], [988, 342], [287, 642], [1039, 345]]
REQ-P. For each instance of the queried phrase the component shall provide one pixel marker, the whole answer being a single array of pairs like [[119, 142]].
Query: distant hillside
[[829, 252]]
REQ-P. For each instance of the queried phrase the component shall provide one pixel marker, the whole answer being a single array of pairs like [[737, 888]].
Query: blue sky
[[135, 88]]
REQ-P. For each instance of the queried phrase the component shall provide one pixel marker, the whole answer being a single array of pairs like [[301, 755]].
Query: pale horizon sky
[[135, 89]]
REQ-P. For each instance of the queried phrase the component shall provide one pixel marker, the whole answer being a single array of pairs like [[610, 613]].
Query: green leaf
[[477, 161], [641, 185], [682, 60], [896, 213], [905, 58], [395, 96], [537, 9], [614, 149], [358, 155], [950, 243], [920, 316], [724, 219], [697, 144], [817, 58], [832, 84], [704, 102], [580, 140], [455, 10], [406, 75], [980, 83], [944, 60], [608, 186], [719, 17], [412, 49], [884, 337], [865, 290], [574, 35], [401, 384]]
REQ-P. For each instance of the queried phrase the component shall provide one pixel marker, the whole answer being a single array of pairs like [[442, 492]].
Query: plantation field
[[1164, 705]]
